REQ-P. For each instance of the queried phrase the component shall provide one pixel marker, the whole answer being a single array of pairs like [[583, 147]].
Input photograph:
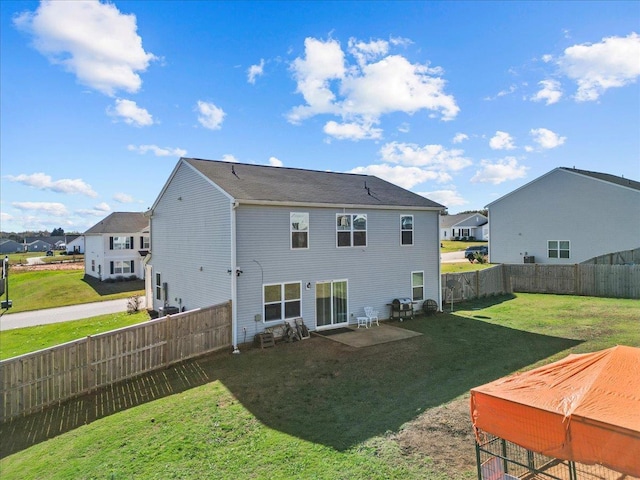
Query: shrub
[[133, 304]]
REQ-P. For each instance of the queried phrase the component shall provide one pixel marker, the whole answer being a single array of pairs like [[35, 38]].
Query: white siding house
[[464, 226], [116, 246], [284, 243], [566, 216]]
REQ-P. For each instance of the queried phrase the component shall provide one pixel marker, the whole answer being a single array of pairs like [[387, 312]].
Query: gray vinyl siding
[[596, 217], [376, 274], [191, 241]]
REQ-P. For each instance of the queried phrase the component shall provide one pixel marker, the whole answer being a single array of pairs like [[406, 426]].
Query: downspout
[[234, 281], [439, 263]]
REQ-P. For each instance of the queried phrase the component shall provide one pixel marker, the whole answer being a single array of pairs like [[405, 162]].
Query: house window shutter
[[132, 263], [110, 243], [133, 245], [111, 266], [141, 243]]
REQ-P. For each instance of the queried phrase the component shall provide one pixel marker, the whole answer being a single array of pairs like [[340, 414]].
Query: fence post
[[91, 378]]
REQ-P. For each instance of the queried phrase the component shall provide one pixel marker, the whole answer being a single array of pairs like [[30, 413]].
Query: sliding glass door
[[331, 304]]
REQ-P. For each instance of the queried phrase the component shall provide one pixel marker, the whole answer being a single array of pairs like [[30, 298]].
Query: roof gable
[[604, 177], [120, 222], [279, 185], [448, 221]]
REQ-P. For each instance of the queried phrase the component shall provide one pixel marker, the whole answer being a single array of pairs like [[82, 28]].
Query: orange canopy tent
[[585, 408]]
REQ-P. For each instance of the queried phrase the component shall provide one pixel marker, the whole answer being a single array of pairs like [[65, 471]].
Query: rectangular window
[[122, 267], [93, 265], [299, 224], [351, 230], [281, 301], [158, 287], [406, 229], [558, 248], [417, 286], [121, 243]]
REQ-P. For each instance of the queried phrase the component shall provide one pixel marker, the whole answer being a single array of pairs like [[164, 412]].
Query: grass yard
[[38, 289], [465, 266], [24, 340], [317, 408], [456, 246]]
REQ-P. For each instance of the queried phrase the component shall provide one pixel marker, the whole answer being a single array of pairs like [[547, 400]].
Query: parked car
[[470, 252], [49, 253]]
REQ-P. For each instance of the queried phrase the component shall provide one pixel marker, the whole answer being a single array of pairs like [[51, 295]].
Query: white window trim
[[292, 231], [558, 249], [415, 286], [120, 265], [122, 246], [413, 231], [282, 302], [352, 230]]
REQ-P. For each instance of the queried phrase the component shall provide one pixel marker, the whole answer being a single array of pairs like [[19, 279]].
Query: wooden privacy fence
[[626, 257], [596, 280], [38, 379]]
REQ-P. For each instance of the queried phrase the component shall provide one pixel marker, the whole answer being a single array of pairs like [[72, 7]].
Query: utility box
[[168, 311]]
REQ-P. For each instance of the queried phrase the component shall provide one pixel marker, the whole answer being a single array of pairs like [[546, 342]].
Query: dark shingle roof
[[624, 182], [260, 183], [120, 222]]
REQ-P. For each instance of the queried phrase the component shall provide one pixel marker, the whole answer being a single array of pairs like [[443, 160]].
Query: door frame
[[333, 324]]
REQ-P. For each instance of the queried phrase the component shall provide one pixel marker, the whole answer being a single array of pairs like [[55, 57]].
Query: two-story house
[[116, 246], [566, 216], [283, 243]]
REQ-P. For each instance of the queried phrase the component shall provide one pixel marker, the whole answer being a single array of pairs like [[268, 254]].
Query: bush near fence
[[595, 280], [36, 380]]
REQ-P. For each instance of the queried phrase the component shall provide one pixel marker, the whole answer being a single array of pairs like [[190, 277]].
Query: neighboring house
[[464, 225], [116, 246], [284, 243], [38, 246], [10, 246], [566, 216], [76, 245]]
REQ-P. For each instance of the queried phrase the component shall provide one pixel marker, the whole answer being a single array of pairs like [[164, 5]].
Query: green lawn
[[35, 290], [465, 266], [453, 246], [24, 340], [312, 409]]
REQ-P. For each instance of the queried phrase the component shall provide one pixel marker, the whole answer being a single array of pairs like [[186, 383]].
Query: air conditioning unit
[[529, 259]]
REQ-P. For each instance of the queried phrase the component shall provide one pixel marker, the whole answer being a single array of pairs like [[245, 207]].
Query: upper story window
[[351, 230], [299, 224], [558, 248], [121, 243], [406, 229], [158, 287], [145, 243]]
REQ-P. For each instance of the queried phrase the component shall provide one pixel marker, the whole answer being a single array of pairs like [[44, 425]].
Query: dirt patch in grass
[[443, 434], [48, 266]]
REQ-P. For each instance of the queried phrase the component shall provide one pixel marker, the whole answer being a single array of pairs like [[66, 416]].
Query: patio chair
[[372, 315]]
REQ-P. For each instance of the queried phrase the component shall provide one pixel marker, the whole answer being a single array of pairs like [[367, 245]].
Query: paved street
[[62, 314]]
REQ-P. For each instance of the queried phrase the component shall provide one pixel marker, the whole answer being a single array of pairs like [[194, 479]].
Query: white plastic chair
[[372, 315]]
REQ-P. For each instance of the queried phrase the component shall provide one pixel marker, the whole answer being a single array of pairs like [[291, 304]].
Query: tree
[[57, 232]]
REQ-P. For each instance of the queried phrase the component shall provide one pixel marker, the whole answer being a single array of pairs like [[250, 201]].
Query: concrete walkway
[[9, 321]]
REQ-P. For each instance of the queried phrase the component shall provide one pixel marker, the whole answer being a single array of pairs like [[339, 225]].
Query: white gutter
[[234, 281]]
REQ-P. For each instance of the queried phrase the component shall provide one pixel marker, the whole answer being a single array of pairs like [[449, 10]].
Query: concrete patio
[[375, 335]]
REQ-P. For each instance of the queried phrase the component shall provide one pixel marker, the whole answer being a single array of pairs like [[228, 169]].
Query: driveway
[[9, 321], [35, 261], [453, 257]]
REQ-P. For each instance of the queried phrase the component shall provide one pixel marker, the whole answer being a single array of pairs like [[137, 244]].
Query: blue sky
[[459, 101]]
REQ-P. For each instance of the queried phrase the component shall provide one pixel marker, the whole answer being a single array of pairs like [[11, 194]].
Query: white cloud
[[274, 162], [131, 113], [352, 131], [614, 62], [42, 181], [123, 198], [227, 157], [448, 198], [157, 151], [405, 177], [546, 138], [99, 210], [210, 116], [375, 83], [500, 171], [51, 208], [255, 71], [550, 92], [5, 217], [404, 127], [460, 137], [434, 157], [501, 141], [90, 39]]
